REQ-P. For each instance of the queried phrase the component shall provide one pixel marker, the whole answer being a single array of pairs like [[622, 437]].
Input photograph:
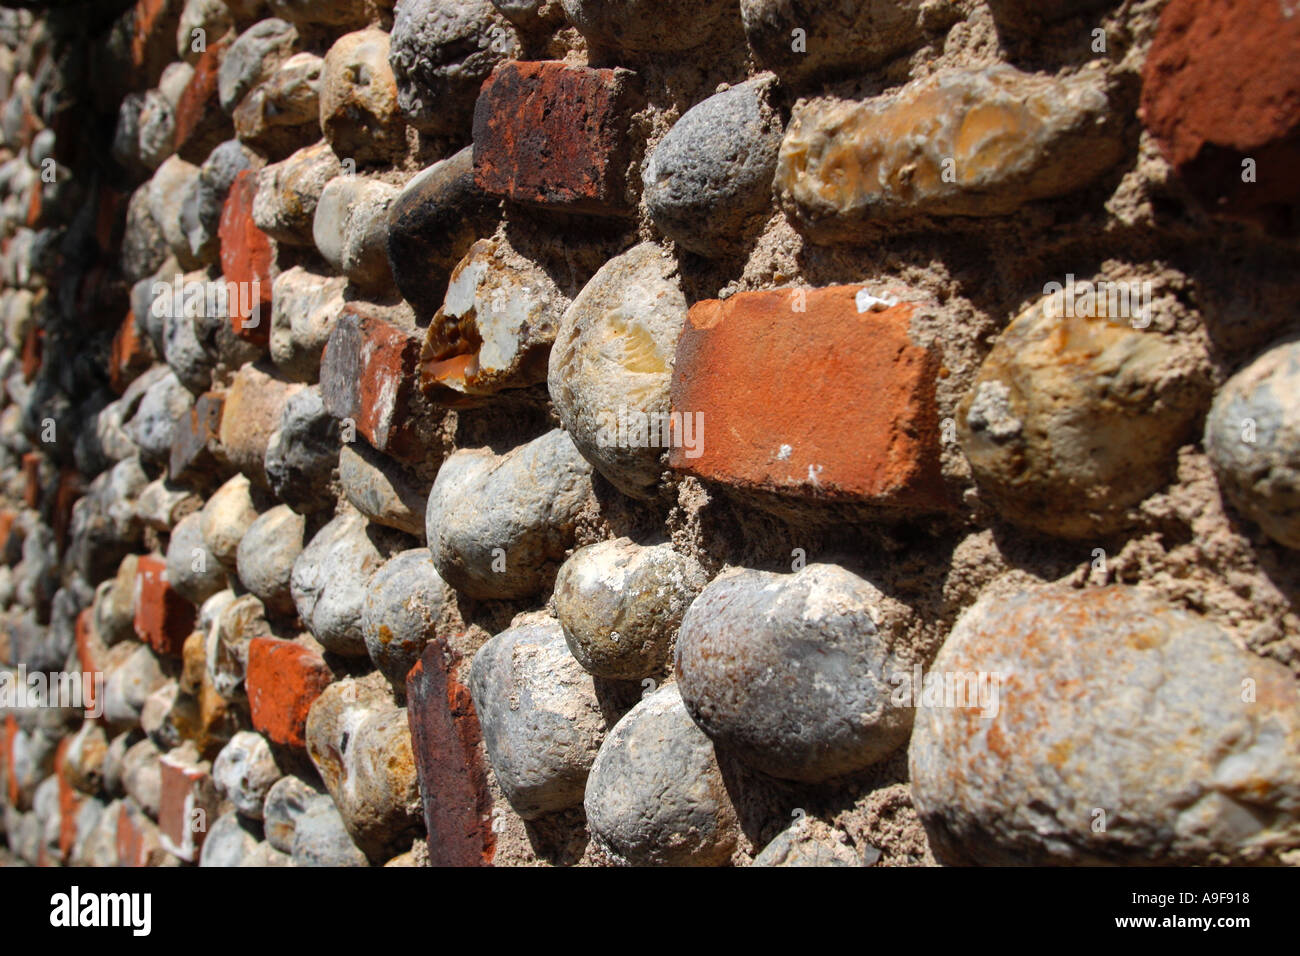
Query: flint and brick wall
[[613, 432]]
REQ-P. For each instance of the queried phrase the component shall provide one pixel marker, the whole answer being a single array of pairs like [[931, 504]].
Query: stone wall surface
[[603, 432]]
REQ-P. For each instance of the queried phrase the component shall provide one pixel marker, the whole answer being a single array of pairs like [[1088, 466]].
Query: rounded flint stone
[[499, 526], [656, 795], [192, 569], [710, 178], [245, 771], [540, 718], [1252, 436], [620, 605], [1123, 731], [266, 555], [403, 604], [792, 673], [329, 583]]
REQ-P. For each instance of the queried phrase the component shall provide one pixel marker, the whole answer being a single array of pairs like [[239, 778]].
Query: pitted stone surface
[[1093, 686], [540, 716]]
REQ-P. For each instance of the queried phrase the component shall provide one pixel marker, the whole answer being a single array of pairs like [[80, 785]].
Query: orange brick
[[369, 371], [247, 257], [187, 807], [163, 619], [130, 357], [282, 680], [823, 403]]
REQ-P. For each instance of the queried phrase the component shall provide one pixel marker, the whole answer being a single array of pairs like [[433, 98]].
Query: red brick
[[137, 838], [282, 680], [1221, 85], [445, 739], [33, 348], [71, 487], [153, 38], [35, 206], [850, 394], [7, 518], [163, 619], [247, 256], [69, 803], [201, 123], [557, 136], [131, 356], [187, 806], [194, 441], [90, 657], [7, 757], [369, 373]]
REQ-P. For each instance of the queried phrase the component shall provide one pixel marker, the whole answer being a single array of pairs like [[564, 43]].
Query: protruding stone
[[304, 308], [404, 604], [382, 489], [225, 519], [1086, 690], [266, 555], [192, 569], [196, 442], [351, 229], [245, 771], [253, 58], [230, 843], [302, 453], [285, 803], [321, 838], [441, 54], [1074, 419], [499, 526], [153, 425], [359, 742], [289, 191], [709, 181], [432, 223], [283, 113], [620, 605], [540, 717], [201, 207], [1252, 436], [959, 143], [656, 796], [330, 581], [238, 621], [614, 354], [254, 405], [794, 674], [358, 99], [495, 329]]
